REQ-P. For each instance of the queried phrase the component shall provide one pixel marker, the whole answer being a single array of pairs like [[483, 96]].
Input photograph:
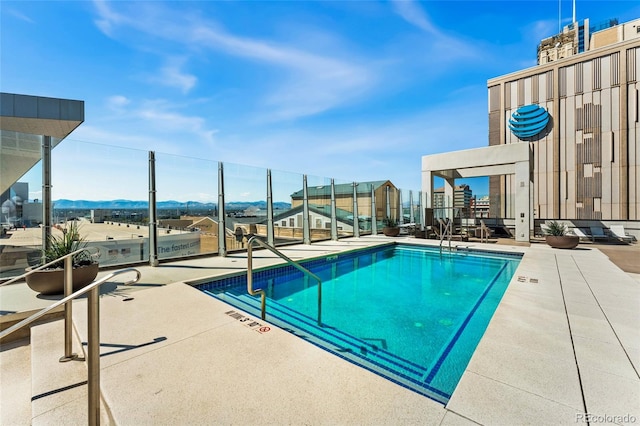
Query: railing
[[68, 289], [261, 292], [446, 230], [93, 340]]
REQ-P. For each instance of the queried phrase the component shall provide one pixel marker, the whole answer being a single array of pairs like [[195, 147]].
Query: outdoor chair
[[484, 232], [618, 232], [598, 233], [579, 233]]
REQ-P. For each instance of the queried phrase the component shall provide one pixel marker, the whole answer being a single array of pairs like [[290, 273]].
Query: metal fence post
[[222, 239], [356, 225], [306, 232], [47, 207], [153, 212], [334, 216], [374, 221], [270, 230]]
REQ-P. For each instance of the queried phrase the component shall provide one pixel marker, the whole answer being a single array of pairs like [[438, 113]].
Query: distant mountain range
[[63, 204]]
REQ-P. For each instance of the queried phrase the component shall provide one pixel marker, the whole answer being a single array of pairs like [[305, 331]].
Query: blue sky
[[354, 90]]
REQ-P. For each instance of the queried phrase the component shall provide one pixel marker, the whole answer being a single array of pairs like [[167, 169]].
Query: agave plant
[[389, 222], [555, 228], [70, 241]]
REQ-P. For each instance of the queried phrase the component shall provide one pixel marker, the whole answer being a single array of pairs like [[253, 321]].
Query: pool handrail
[[278, 253], [93, 339], [68, 289]]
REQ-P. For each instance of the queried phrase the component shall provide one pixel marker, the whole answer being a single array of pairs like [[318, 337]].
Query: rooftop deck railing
[[282, 207]]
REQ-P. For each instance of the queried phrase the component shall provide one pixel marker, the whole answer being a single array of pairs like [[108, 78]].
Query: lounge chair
[[598, 233], [485, 231], [446, 234], [618, 232], [579, 233]]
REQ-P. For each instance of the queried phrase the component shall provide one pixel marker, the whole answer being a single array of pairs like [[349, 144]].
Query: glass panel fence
[[21, 204], [344, 208], [363, 200], [287, 207], [104, 189], [186, 202], [245, 192], [319, 196]]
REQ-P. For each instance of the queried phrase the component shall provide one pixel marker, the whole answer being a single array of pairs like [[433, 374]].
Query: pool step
[[342, 344]]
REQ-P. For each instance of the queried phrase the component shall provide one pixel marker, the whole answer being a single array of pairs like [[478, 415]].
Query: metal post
[[400, 213], [250, 290], [374, 221], [306, 232], [411, 218], [222, 240], [270, 238], [334, 216], [46, 193], [388, 202], [153, 212], [421, 207], [68, 319], [93, 355], [356, 225]]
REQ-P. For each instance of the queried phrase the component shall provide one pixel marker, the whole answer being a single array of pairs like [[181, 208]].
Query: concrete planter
[[562, 241], [51, 281], [391, 231]]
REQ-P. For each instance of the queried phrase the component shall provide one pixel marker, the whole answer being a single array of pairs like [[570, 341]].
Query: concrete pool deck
[[564, 342]]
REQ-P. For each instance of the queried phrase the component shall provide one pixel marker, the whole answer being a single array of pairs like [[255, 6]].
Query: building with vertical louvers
[[580, 114]]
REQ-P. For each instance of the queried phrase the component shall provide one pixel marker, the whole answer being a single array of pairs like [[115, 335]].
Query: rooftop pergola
[[497, 160]]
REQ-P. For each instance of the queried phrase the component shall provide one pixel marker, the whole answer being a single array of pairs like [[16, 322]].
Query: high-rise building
[[579, 110], [458, 207]]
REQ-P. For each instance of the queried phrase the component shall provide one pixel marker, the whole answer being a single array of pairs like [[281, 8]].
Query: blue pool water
[[408, 313]]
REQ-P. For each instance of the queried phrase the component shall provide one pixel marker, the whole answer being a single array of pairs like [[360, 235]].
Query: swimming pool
[[409, 313]]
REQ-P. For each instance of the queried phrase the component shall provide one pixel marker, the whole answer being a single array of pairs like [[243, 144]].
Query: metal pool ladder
[[261, 291]]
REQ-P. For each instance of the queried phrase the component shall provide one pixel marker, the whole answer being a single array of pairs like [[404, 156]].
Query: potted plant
[[557, 236], [51, 279], [391, 228]]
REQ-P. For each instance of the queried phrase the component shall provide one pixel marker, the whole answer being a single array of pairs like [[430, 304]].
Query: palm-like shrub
[[555, 228], [70, 241], [389, 222]]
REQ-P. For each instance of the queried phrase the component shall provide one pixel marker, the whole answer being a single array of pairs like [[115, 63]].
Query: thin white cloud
[[311, 82], [451, 47], [415, 15], [538, 30], [171, 75], [165, 122], [117, 103], [160, 116], [20, 15], [108, 20]]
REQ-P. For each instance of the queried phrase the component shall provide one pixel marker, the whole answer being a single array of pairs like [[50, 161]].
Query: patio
[[562, 344]]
